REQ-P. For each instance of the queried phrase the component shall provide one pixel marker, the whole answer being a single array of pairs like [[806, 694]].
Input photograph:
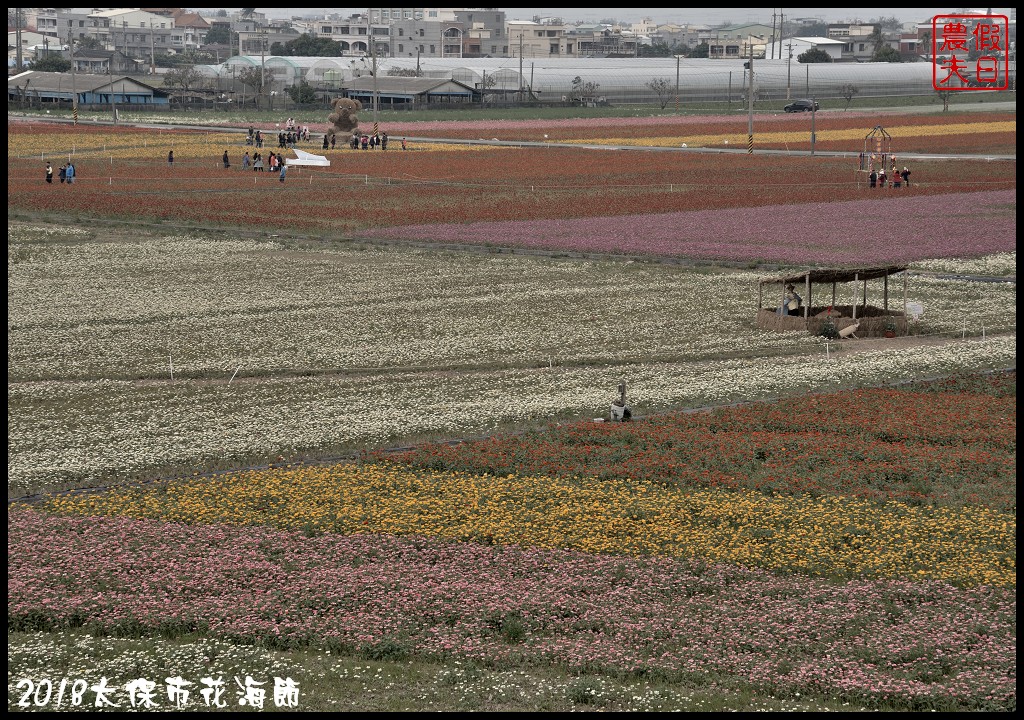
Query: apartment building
[[133, 32], [539, 39]]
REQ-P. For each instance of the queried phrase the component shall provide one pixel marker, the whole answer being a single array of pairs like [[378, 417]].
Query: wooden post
[[760, 295], [833, 294], [807, 294], [885, 293], [622, 393], [856, 277], [865, 295]]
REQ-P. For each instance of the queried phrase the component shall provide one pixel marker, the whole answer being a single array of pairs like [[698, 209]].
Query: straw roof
[[839, 275]]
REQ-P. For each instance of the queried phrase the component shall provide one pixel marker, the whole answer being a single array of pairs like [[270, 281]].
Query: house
[[860, 40], [103, 90], [736, 41], [795, 46], [399, 91], [533, 39], [104, 62], [601, 41]]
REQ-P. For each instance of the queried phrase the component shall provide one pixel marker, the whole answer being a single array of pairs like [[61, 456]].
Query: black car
[[802, 106]]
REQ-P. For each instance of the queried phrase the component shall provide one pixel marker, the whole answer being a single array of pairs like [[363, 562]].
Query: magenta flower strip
[[877, 230], [919, 643]]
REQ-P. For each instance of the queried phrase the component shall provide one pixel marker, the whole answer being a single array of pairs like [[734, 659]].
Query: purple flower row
[[877, 230], [914, 643]]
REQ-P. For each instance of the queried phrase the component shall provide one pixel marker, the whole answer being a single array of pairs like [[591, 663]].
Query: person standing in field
[[70, 173], [226, 163], [284, 168], [404, 147], [49, 173], [384, 141], [873, 179], [906, 176], [245, 161], [170, 159], [63, 174]]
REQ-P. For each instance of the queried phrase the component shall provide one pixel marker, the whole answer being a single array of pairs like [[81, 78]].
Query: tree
[[662, 88], [886, 54], [887, 23], [658, 49], [944, 96], [257, 79], [218, 35], [700, 51], [814, 55], [848, 91], [51, 62], [402, 72], [88, 43], [581, 89], [302, 94], [307, 45], [183, 78]]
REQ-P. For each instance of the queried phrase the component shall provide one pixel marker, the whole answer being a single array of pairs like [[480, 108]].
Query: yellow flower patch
[[831, 536], [799, 136]]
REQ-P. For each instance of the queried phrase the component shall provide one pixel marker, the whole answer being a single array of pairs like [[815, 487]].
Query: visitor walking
[[63, 174], [49, 173], [906, 177], [170, 159], [246, 161], [404, 145], [70, 173], [284, 168], [226, 163]]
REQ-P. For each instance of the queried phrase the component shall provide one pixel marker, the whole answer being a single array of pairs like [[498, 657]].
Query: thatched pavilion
[[872, 321]]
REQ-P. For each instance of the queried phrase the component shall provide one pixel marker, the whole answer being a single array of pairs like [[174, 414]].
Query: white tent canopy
[[309, 159]]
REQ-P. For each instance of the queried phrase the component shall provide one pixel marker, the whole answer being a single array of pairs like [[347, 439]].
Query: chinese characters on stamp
[[970, 52]]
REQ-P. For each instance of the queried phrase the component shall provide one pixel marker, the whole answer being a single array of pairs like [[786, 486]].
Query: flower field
[[349, 428], [276, 350], [124, 174], [987, 133], [791, 591]]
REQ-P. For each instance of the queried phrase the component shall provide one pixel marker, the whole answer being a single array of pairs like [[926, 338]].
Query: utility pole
[[677, 82], [814, 138], [789, 69], [110, 79], [373, 59], [263, 61], [74, 91], [750, 104], [152, 50], [773, 33], [17, 21], [520, 63]]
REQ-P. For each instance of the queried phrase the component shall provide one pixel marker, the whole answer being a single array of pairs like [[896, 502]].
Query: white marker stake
[[235, 373], [170, 362]]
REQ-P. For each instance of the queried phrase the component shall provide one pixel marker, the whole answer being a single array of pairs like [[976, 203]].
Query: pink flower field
[[870, 231], [863, 641]]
